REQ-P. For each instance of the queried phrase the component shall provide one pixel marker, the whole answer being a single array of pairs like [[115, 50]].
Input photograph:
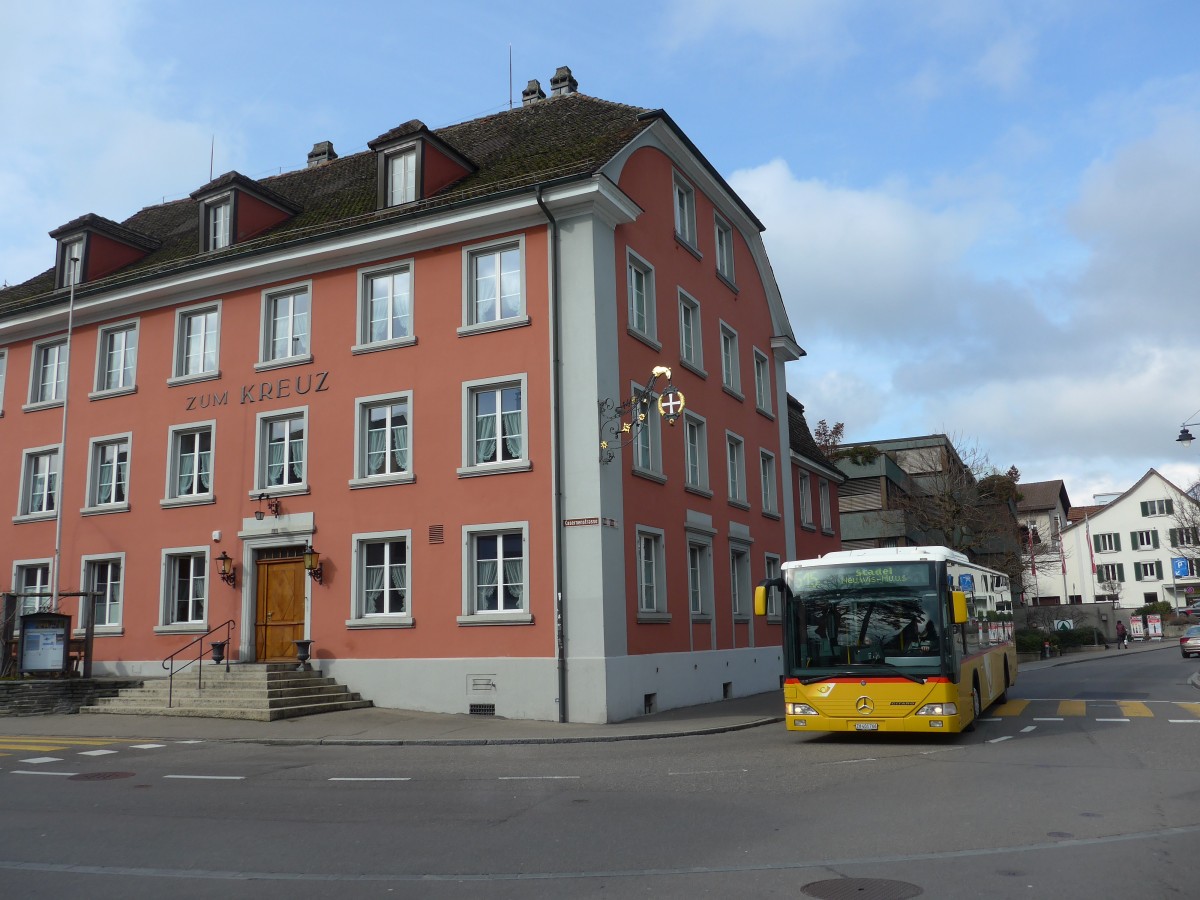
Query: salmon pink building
[[411, 362]]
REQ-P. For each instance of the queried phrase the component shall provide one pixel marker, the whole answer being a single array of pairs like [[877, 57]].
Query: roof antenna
[[211, 151], [510, 99]]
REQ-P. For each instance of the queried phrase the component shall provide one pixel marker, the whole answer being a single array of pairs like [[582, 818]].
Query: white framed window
[[1149, 571], [48, 377], [31, 580], [766, 473], [382, 570], [700, 585], [108, 474], [218, 223], [1157, 508], [401, 176], [494, 286], [282, 464], [104, 577], [3, 370], [695, 452], [762, 383], [385, 307], [70, 267], [190, 463], [1146, 539], [651, 571], [643, 316], [724, 247], [495, 576], [685, 210], [740, 590], [691, 351], [826, 513], [731, 376], [1108, 542], [39, 483], [197, 343], [806, 505], [116, 358], [735, 467], [382, 440], [1110, 572], [647, 442], [771, 569], [184, 589], [286, 325], [495, 426]]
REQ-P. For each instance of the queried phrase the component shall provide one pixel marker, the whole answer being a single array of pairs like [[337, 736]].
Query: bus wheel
[[976, 706]]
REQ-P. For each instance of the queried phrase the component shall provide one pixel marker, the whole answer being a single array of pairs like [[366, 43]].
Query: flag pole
[[72, 277]]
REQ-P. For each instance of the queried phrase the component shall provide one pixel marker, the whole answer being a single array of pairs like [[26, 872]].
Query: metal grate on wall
[[280, 553], [437, 534], [482, 709]]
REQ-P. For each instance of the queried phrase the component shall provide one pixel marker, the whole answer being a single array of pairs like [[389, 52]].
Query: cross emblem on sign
[[670, 405]]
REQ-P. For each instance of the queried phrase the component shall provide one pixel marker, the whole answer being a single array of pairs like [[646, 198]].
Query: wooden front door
[[280, 609]]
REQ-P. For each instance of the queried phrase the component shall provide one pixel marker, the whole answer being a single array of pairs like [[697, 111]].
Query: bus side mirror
[[958, 604], [760, 601]]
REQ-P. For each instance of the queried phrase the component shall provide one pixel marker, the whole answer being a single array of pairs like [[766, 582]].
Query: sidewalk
[[401, 727]]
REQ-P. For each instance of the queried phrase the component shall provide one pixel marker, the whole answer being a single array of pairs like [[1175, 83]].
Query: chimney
[[563, 82], [322, 152], [533, 92]]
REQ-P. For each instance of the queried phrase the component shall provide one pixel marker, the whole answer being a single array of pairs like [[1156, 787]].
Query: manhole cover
[[862, 889], [100, 776]]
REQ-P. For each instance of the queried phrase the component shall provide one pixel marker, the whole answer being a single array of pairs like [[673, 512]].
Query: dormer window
[[71, 266], [92, 247], [402, 176], [219, 218]]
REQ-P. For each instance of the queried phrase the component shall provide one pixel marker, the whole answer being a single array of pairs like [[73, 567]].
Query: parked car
[[1193, 610], [1190, 642]]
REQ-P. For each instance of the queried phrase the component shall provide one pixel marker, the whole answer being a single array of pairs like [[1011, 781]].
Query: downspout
[[560, 611]]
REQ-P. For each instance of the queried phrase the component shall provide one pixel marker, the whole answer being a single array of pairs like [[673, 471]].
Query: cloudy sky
[[983, 215]]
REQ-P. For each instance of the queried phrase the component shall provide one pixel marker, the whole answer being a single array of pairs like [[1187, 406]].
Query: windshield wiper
[[854, 673]]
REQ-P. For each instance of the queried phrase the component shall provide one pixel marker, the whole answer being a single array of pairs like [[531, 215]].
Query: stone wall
[[42, 697]]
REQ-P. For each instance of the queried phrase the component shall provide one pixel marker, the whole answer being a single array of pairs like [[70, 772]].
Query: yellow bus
[[890, 639]]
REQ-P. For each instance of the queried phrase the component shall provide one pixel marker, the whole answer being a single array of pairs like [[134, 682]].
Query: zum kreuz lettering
[[281, 389]]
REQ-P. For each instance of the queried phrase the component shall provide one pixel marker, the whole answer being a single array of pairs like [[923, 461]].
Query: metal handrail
[[169, 662]]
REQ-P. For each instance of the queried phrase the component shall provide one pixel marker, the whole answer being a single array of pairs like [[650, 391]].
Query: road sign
[[1179, 565], [966, 582]]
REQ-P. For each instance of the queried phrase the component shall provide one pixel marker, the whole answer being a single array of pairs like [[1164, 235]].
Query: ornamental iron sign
[[621, 423]]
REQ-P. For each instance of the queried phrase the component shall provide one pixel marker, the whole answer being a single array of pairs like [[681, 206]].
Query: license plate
[[866, 726]]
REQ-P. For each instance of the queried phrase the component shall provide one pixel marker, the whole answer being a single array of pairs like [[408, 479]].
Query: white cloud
[[1005, 63], [812, 29]]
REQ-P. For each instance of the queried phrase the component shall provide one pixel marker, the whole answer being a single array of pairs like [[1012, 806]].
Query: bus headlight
[[800, 709], [938, 709]]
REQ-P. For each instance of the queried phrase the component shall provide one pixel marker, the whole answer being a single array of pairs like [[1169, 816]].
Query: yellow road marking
[[1072, 707], [47, 738], [1193, 708], [1011, 708], [26, 747], [1134, 709]]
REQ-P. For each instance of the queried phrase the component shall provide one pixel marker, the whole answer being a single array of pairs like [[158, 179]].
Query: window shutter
[[1174, 535], [1117, 541], [1158, 569], [1145, 508], [1154, 538], [1120, 571], [1096, 542], [1137, 571], [1170, 507], [1133, 540], [1195, 535]]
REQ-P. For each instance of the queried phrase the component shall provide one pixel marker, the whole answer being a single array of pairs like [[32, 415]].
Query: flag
[[1032, 558], [1087, 527], [1062, 553]]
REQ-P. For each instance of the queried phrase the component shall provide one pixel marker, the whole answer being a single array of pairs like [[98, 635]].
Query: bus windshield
[[865, 617]]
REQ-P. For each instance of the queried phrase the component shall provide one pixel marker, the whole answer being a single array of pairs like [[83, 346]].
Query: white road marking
[[189, 742], [1184, 721], [1112, 720], [842, 762], [39, 760], [1049, 719], [1028, 728], [209, 777], [146, 746], [96, 752], [709, 772], [1007, 737], [538, 778], [24, 772], [370, 779]]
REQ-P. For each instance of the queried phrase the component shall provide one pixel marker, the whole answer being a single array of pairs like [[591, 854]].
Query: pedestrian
[[1122, 636]]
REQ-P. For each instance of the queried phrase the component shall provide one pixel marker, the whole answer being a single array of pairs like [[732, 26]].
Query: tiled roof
[[1079, 513], [1042, 495], [106, 226], [238, 180], [800, 438], [569, 136]]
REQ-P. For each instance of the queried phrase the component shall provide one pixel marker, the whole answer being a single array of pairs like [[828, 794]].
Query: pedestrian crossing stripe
[[1128, 709]]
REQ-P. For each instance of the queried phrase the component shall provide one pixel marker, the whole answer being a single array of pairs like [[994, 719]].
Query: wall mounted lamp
[[274, 507], [312, 564], [226, 570]]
